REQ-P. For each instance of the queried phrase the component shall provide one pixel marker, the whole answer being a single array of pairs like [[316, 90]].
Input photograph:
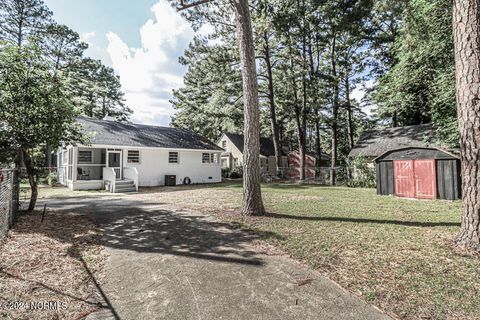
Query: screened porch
[[87, 164]]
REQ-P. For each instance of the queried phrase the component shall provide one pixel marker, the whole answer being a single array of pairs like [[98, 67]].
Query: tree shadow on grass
[[425, 224]]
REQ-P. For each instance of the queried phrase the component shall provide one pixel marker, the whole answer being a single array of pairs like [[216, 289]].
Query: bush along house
[[123, 156]]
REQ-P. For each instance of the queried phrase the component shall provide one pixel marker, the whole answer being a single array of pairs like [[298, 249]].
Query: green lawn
[[395, 253]]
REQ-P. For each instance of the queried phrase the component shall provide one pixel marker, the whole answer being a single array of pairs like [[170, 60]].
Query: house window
[[173, 157], [236, 162], [205, 157], [84, 156], [133, 156], [224, 144], [214, 158]]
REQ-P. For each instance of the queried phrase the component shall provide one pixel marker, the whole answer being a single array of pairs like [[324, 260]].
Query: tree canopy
[[46, 81]]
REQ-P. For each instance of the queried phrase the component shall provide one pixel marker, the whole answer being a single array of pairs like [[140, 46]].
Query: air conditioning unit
[[170, 180]]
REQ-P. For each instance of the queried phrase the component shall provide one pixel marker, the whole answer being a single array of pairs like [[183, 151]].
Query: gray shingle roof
[[266, 144], [376, 143], [106, 132]]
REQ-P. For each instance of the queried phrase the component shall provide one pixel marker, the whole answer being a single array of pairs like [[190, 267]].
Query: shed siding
[[448, 179], [384, 173]]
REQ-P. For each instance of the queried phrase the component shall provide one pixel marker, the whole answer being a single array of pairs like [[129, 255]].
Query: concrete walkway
[[169, 263]]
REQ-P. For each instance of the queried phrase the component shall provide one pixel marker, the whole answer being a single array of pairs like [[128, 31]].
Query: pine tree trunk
[[313, 72], [252, 198], [271, 98], [466, 23], [48, 155], [318, 147], [303, 146], [349, 113], [298, 120], [333, 178]]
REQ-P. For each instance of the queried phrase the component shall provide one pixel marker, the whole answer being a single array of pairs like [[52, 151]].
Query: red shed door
[[425, 179], [404, 178]]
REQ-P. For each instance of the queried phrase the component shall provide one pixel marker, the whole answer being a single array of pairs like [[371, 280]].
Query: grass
[[394, 253]]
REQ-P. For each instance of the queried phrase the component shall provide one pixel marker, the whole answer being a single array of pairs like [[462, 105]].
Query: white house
[[124, 156], [233, 156]]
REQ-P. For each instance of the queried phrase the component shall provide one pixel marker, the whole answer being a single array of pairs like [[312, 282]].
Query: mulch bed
[[51, 270]]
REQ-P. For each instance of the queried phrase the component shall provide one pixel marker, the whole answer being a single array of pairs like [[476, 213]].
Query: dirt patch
[[304, 197], [48, 270]]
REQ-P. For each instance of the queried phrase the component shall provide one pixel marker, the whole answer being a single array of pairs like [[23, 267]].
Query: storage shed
[[422, 173]]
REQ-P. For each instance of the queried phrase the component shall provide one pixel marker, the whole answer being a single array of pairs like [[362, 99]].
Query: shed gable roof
[[414, 153], [377, 142], [106, 132]]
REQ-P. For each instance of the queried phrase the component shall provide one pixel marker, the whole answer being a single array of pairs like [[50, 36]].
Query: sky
[[142, 40]]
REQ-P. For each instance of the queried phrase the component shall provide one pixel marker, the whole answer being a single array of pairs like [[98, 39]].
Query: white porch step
[[124, 186]]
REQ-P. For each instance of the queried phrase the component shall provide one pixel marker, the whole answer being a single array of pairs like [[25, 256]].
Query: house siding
[[154, 166], [234, 152]]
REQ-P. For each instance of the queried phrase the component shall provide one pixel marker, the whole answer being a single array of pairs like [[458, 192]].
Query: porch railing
[[118, 173], [110, 177], [132, 174]]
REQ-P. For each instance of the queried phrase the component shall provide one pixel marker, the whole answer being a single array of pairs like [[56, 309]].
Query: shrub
[[363, 176], [236, 173], [52, 179], [226, 172]]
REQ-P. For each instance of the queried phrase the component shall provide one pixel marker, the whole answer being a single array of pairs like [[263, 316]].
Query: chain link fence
[[318, 175], [9, 199]]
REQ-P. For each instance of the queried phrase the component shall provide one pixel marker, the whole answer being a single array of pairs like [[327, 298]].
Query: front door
[[114, 160]]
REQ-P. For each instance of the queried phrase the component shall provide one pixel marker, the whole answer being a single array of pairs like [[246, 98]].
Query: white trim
[[120, 152], [101, 146], [220, 139]]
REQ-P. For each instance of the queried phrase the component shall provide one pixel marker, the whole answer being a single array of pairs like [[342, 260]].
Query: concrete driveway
[[170, 263]]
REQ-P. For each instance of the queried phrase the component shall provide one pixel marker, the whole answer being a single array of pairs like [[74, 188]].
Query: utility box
[[170, 180]]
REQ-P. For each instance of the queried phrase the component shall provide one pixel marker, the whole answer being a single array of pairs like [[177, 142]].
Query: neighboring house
[[232, 157], [373, 144], [123, 156], [312, 170]]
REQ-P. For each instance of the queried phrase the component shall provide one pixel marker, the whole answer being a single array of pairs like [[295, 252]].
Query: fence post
[[14, 197], [9, 199]]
